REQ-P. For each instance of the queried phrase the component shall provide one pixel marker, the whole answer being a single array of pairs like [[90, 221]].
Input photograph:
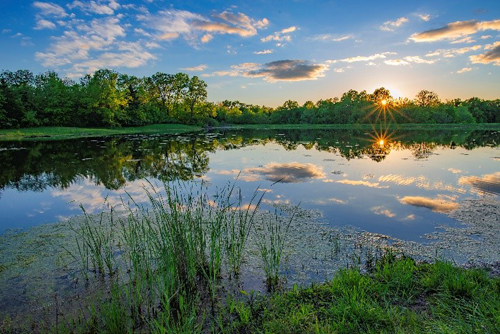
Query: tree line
[[111, 99]]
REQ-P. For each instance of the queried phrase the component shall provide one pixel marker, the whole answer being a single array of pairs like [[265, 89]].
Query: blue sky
[[266, 52]]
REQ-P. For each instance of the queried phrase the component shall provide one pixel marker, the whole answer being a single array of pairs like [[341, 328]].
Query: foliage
[[110, 99]]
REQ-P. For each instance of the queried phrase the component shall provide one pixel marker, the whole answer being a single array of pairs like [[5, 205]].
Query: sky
[[265, 52]]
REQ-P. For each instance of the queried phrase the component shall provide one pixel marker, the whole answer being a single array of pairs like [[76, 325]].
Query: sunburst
[[383, 109]]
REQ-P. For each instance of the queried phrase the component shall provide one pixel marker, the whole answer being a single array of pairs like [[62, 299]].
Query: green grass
[[406, 126], [398, 295], [52, 133], [57, 133]]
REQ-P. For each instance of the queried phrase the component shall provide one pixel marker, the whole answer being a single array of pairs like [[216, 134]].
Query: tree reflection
[[115, 161]]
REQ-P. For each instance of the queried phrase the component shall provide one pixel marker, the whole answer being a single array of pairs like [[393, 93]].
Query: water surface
[[397, 183]]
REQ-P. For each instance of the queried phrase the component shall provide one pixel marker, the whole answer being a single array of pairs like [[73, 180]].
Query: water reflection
[[486, 184], [435, 204], [357, 176], [286, 172], [114, 161]]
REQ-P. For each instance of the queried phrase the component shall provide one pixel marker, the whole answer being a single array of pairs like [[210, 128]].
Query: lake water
[[397, 183]]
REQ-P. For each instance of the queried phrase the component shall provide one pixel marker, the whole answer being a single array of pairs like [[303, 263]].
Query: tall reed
[[163, 258]]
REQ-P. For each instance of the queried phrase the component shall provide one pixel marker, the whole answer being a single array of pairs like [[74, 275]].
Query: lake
[[397, 183]]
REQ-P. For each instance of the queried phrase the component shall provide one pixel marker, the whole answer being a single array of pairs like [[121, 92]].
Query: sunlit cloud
[[455, 30], [490, 56], [207, 38], [486, 36], [489, 183], [264, 52], [288, 30], [424, 17], [392, 25], [464, 70], [454, 170], [410, 217], [435, 204], [396, 62], [168, 36], [450, 53], [292, 172], [418, 60], [198, 68], [465, 40], [362, 58]]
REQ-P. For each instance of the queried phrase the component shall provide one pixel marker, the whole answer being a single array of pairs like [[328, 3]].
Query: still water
[[397, 183]]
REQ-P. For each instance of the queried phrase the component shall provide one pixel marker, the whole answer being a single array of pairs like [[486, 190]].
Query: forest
[[111, 99]]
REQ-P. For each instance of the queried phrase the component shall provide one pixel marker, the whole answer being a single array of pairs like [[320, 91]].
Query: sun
[[384, 102]]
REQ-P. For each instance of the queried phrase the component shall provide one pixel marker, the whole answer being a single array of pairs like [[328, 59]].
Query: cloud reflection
[[486, 184], [435, 204], [293, 172]]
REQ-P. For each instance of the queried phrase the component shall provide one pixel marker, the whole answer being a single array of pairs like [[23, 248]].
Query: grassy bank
[[52, 133], [406, 126], [395, 295]]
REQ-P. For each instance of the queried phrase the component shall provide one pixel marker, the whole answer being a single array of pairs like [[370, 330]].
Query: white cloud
[[464, 70], [44, 24], [264, 52], [392, 25], [198, 68], [331, 38], [171, 24], [50, 9], [94, 45], [97, 7], [362, 58], [396, 62], [280, 36]]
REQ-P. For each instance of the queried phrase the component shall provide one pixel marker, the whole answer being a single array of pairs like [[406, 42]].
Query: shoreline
[[61, 133]]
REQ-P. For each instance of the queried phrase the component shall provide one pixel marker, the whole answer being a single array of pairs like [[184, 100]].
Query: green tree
[[426, 98], [197, 93]]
